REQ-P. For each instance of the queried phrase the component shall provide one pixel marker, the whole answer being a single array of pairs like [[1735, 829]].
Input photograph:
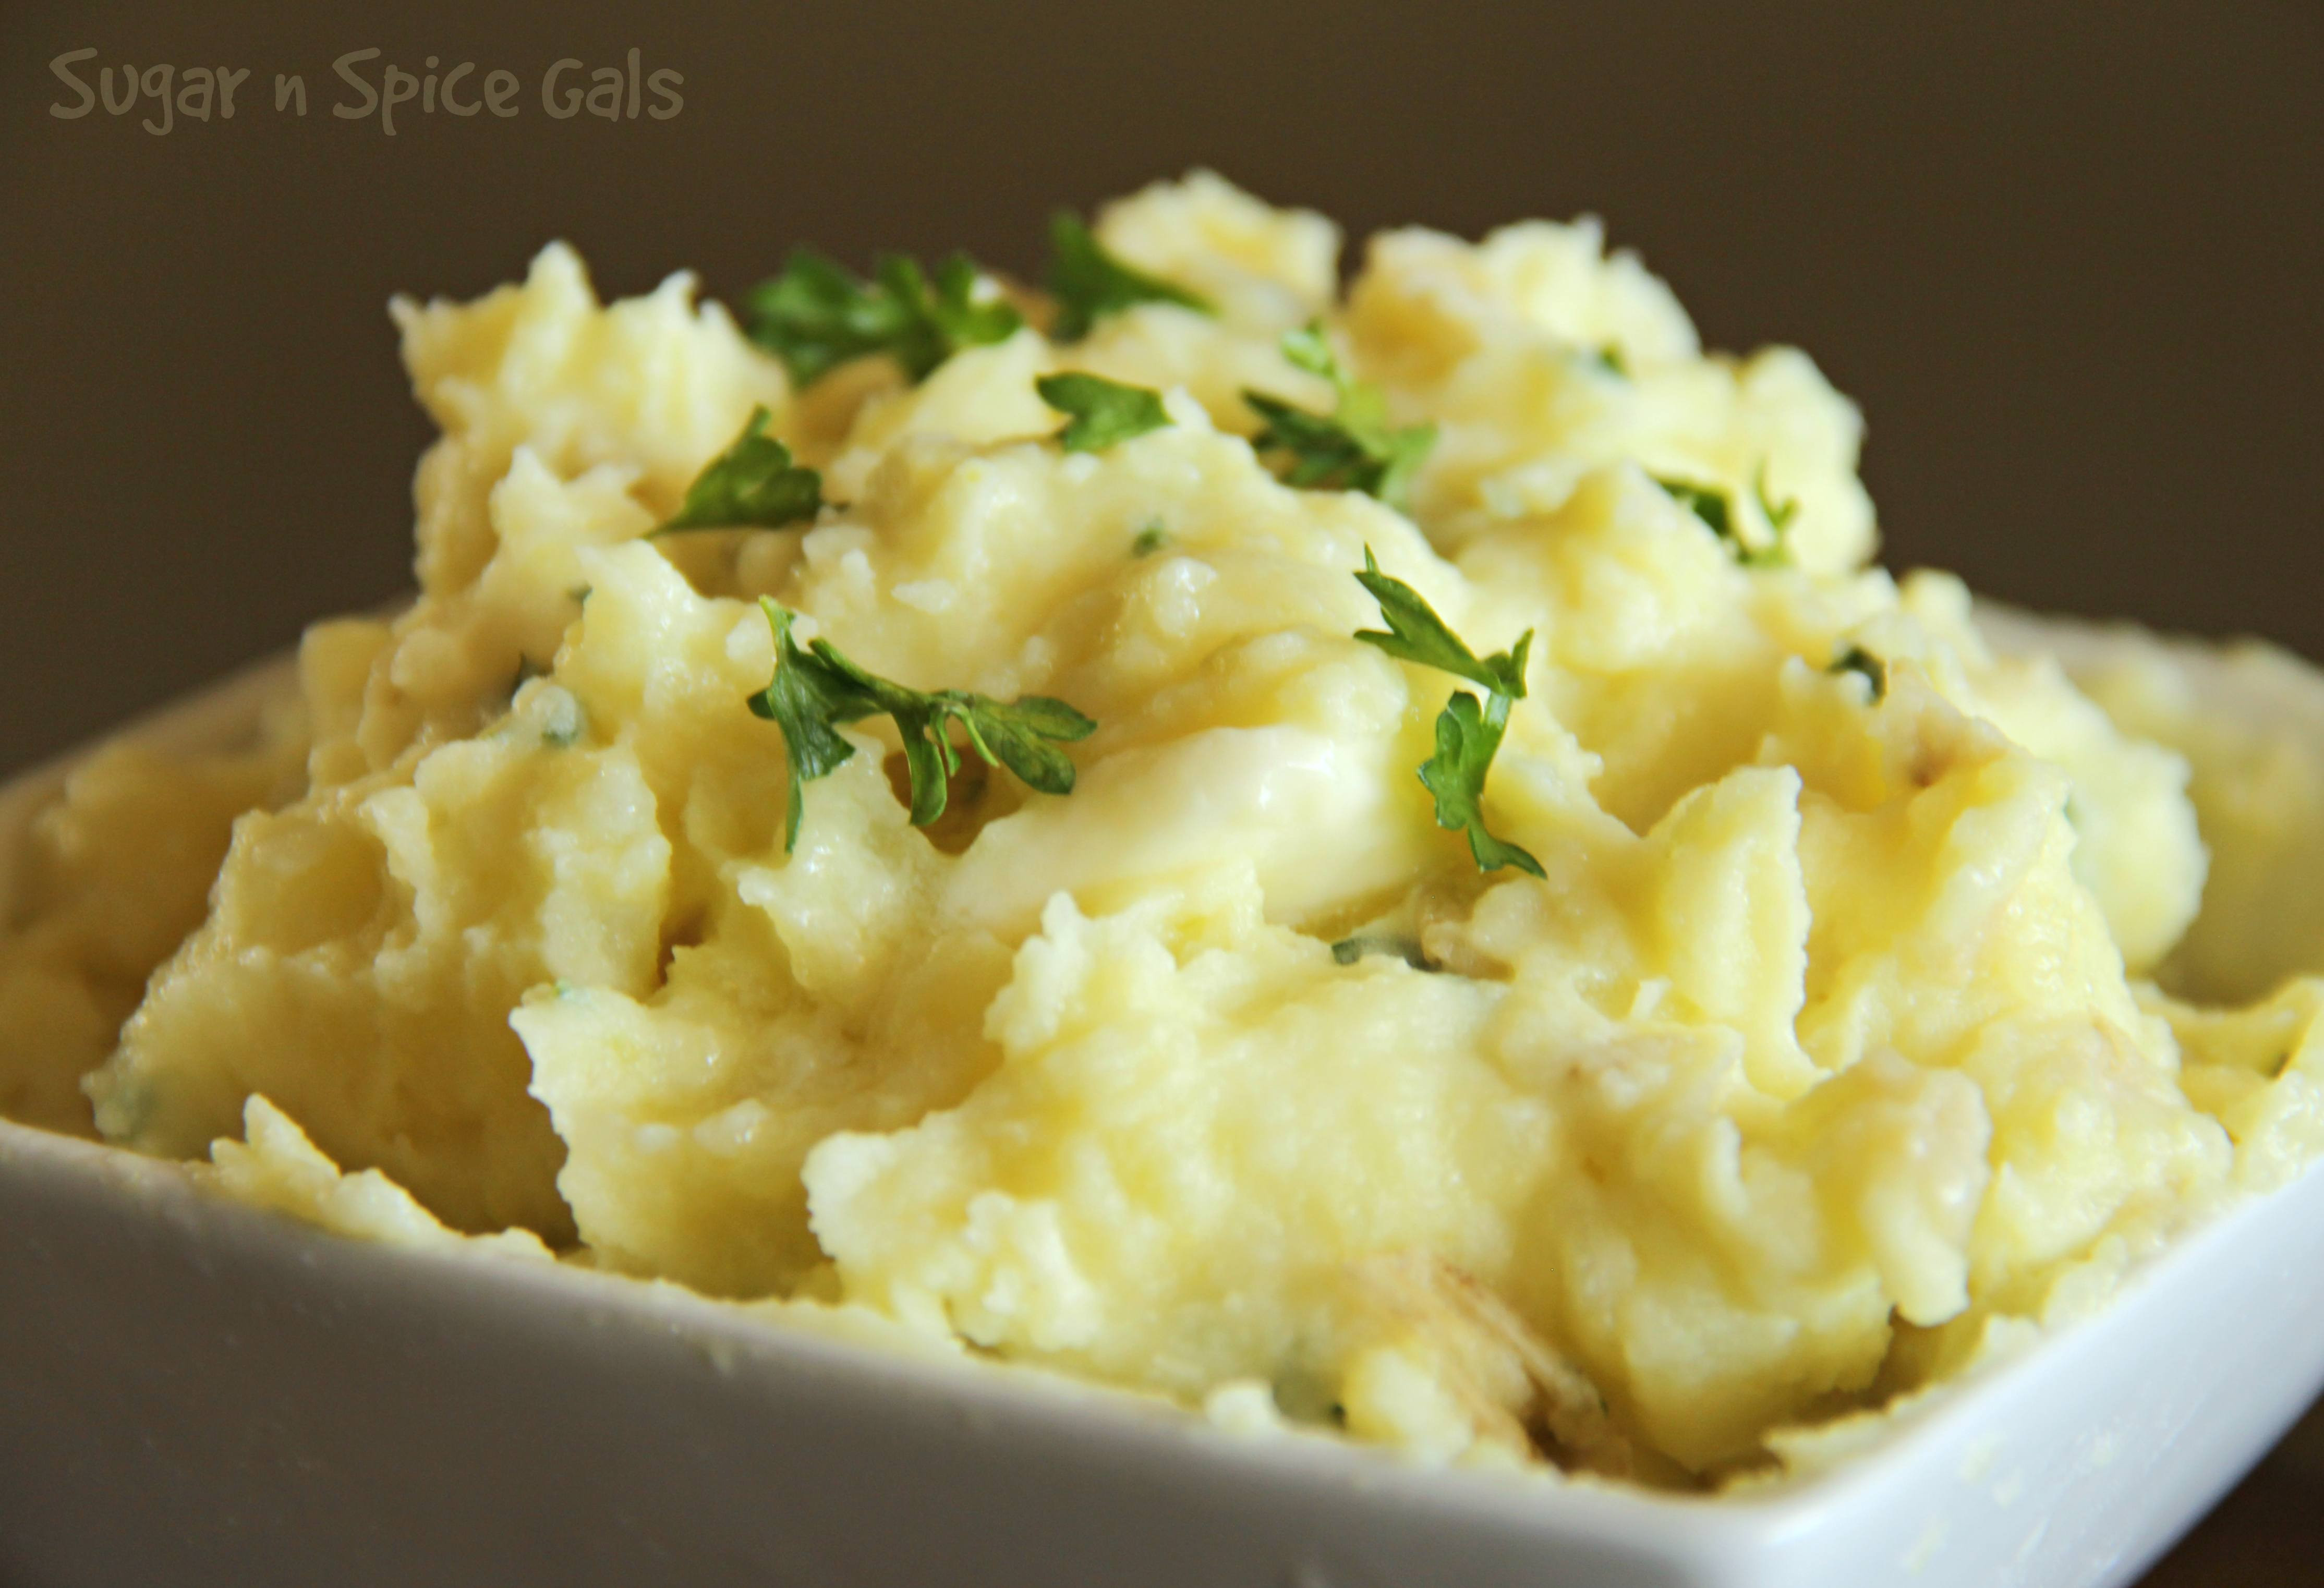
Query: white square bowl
[[192, 1391]]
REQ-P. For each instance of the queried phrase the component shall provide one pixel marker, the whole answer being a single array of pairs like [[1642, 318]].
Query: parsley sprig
[[1090, 284], [1100, 412], [1352, 448], [1856, 658], [753, 483], [816, 315], [1712, 506], [1468, 731], [816, 689]]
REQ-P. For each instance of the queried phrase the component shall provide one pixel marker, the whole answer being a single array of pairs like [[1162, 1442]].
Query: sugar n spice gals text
[[166, 95]]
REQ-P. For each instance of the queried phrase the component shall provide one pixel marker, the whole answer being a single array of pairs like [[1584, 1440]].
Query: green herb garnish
[[1856, 658], [1779, 517], [1150, 539], [753, 483], [1468, 731], [1415, 633], [816, 689], [1467, 735], [1352, 448], [1705, 501], [816, 315], [565, 721], [1348, 950], [1610, 359], [1711, 504], [1090, 284], [1102, 411]]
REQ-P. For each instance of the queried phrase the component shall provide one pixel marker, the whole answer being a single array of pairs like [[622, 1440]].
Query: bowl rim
[[130, 1185]]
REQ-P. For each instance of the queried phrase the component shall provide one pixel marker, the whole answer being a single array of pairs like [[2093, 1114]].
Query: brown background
[[2067, 257]]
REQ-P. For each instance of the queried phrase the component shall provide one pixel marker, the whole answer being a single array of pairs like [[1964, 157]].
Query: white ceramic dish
[[194, 1391]]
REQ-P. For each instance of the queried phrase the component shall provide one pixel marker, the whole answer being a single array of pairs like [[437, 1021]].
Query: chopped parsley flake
[[1348, 950], [1707, 502], [1469, 732], [1352, 448], [753, 483], [1100, 412], [564, 721], [1090, 284], [1856, 658], [1711, 505], [816, 315], [816, 689]]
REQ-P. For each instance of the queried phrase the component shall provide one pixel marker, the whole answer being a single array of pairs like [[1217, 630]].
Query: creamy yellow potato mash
[[1870, 1001]]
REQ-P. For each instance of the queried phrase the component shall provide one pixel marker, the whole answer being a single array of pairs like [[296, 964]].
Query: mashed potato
[[1827, 1043]]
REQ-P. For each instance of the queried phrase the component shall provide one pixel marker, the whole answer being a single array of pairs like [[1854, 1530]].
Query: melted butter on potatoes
[[1822, 1055]]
